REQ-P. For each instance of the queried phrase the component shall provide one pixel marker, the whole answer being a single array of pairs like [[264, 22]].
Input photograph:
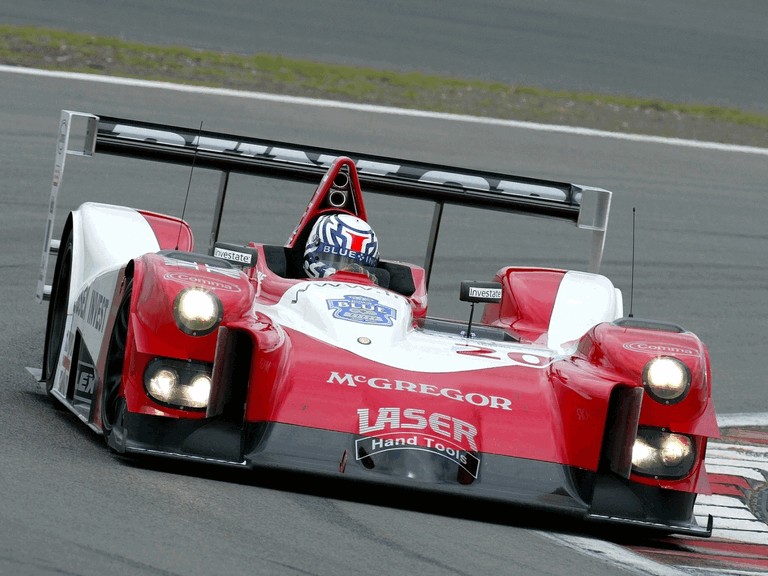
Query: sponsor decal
[[65, 364], [474, 398], [651, 348], [477, 292], [207, 281], [85, 381], [92, 307], [398, 419], [415, 429], [149, 134], [518, 358], [362, 310], [233, 255], [355, 253]]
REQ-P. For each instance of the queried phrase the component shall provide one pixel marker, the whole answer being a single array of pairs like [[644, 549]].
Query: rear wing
[[83, 134]]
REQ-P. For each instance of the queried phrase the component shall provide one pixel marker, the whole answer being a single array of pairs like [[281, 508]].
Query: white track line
[[722, 501], [744, 472], [717, 450], [118, 81], [739, 420], [741, 513], [741, 536]]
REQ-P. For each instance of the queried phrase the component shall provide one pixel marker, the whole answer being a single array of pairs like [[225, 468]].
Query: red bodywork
[[541, 407], [232, 356]]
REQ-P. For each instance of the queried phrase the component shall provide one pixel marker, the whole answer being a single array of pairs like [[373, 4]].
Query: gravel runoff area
[[57, 50]]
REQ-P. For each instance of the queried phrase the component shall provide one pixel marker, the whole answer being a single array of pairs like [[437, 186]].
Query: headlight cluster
[[178, 383], [197, 311], [662, 454], [666, 379]]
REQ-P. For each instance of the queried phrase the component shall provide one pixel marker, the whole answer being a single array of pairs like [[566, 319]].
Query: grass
[[53, 49]]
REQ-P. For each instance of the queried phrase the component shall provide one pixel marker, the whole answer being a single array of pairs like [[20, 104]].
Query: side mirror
[[240, 256], [472, 291]]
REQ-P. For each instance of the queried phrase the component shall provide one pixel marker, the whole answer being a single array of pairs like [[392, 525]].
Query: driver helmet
[[338, 242]]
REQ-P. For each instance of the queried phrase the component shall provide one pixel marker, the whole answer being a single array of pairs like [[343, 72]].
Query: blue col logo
[[362, 310]]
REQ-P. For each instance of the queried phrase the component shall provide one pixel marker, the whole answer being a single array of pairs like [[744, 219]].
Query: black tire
[[57, 313], [112, 403]]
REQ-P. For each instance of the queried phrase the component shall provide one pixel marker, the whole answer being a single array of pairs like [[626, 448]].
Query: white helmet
[[337, 241]]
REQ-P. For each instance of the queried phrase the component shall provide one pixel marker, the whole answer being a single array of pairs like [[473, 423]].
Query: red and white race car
[[235, 354]]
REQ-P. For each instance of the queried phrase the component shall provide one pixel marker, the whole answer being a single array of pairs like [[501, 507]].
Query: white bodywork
[[383, 332], [105, 238], [583, 300]]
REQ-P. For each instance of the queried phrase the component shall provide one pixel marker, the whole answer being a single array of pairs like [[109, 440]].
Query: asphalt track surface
[[705, 51], [69, 507]]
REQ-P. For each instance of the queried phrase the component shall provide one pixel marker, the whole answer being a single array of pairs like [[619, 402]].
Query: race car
[[267, 356]]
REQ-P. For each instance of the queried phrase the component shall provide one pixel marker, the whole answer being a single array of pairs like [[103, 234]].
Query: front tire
[[113, 407], [57, 314]]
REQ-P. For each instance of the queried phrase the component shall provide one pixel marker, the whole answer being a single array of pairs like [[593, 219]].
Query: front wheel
[[57, 314], [113, 403]]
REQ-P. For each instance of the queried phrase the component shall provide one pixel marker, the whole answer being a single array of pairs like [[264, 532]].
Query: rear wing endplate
[[66, 145], [86, 134]]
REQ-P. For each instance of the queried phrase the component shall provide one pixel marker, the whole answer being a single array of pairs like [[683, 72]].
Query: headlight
[[197, 311], [198, 390], [662, 454], [178, 384], [666, 379]]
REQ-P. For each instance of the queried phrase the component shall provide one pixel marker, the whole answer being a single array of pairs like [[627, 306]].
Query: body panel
[[546, 402]]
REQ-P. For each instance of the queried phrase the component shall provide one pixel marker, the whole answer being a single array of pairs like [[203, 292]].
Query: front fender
[[154, 333], [625, 347]]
